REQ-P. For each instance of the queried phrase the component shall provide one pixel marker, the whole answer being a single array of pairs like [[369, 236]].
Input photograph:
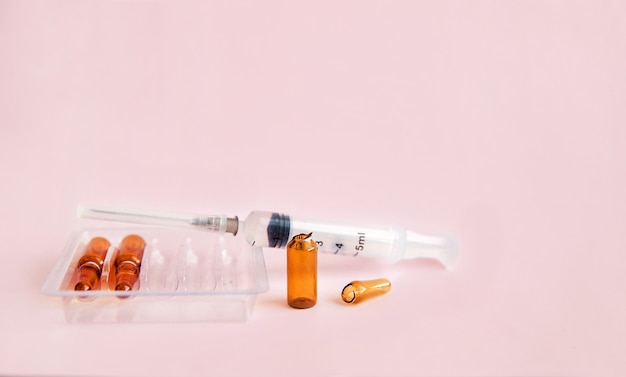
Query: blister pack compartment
[[184, 276]]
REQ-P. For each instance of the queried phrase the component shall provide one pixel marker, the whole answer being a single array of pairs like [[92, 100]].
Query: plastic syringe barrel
[[273, 229], [393, 243]]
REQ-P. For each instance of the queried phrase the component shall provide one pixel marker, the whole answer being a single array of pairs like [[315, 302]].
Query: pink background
[[501, 121]]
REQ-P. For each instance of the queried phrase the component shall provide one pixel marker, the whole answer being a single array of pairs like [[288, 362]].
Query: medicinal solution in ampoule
[[302, 272], [89, 267], [127, 263]]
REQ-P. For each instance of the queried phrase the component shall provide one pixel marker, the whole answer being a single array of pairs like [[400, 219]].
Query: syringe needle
[[116, 215], [215, 223]]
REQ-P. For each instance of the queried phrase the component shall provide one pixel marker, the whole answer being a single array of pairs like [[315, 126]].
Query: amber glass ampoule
[[360, 290], [127, 263], [89, 267], [302, 272]]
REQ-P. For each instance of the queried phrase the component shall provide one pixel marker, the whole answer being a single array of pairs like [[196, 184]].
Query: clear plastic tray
[[185, 276]]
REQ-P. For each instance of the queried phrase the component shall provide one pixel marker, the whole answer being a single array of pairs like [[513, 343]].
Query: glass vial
[[89, 267], [127, 263], [301, 272]]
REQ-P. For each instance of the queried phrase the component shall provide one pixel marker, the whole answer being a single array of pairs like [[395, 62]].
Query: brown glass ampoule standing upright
[[127, 263], [302, 272], [89, 267]]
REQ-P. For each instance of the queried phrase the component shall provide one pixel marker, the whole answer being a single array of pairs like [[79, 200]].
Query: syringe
[[273, 229]]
